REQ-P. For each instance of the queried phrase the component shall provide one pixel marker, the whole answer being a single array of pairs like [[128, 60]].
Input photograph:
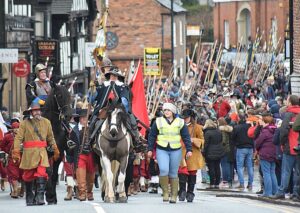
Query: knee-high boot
[[40, 191], [191, 186], [90, 178], [182, 186], [81, 181], [174, 189], [30, 201], [164, 184]]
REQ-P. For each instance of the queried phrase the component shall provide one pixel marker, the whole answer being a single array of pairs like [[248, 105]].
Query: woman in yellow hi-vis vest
[[166, 132]]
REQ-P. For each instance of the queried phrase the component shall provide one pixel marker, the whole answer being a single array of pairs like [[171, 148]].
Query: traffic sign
[[22, 68]]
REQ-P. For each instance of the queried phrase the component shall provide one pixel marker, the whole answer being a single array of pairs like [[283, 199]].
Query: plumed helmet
[[106, 63], [39, 67]]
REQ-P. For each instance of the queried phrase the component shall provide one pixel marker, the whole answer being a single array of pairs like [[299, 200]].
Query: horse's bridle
[[60, 109]]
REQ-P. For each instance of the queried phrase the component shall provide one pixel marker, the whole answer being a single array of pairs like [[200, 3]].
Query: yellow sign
[[152, 61]]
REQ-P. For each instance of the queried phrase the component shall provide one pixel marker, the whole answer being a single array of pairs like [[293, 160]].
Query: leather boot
[[81, 183], [182, 186], [90, 178], [2, 184], [190, 189], [164, 184], [69, 193], [174, 189], [30, 201], [135, 186], [70, 185], [40, 191], [14, 186], [21, 191]]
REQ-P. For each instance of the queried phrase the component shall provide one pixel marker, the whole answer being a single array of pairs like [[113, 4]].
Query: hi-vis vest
[[169, 133]]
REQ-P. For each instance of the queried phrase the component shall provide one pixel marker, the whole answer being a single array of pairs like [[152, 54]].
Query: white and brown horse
[[114, 143]]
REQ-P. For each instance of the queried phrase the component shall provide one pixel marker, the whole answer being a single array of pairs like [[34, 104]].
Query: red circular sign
[[22, 68]]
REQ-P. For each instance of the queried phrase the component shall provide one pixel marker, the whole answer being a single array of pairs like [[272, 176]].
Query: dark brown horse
[[58, 110], [114, 143]]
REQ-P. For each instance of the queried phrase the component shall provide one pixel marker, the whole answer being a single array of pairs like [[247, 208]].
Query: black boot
[[96, 181], [191, 186], [40, 190], [182, 186], [154, 188], [30, 201]]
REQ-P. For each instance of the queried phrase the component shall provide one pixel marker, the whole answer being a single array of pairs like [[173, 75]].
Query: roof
[[176, 7]]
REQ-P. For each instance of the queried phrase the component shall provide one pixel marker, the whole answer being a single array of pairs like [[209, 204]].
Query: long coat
[[33, 157], [196, 161]]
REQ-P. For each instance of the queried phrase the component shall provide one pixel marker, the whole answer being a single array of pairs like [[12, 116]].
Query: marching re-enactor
[[35, 133]]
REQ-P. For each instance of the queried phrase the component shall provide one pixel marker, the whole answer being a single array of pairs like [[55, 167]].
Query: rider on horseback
[[112, 88], [38, 90]]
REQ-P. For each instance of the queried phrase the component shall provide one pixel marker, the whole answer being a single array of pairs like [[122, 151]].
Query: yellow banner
[[152, 61]]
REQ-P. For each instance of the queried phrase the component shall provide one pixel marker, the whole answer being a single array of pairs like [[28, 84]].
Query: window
[[39, 24], [226, 35], [174, 34], [181, 33]]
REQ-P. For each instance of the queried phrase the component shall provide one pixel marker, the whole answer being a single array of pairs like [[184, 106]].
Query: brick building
[[133, 25], [234, 19], [295, 77]]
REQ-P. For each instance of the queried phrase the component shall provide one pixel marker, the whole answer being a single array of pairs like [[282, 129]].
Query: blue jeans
[[168, 162], [227, 169], [270, 180], [288, 163], [242, 155]]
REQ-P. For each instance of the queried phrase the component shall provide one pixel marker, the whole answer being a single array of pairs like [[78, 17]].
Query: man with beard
[[35, 134]]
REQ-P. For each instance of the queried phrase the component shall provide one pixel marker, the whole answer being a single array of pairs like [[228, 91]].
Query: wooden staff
[[210, 60]]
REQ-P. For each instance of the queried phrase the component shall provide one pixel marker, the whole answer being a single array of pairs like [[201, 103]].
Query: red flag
[[139, 106]]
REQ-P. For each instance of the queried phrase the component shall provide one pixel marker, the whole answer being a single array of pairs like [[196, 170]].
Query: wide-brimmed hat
[[82, 112], [114, 71], [188, 113], [34, 106]]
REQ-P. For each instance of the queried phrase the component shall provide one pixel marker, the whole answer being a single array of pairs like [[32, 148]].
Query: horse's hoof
[[108, 200], [122, 200]]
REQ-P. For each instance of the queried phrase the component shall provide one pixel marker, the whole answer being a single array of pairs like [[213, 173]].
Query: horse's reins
[[60, 108]]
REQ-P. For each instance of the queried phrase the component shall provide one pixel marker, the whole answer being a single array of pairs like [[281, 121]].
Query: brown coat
[[32, 157], [197, 160]]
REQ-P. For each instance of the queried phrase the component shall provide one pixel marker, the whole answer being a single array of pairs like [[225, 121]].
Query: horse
[[58, 110], [114, 143]]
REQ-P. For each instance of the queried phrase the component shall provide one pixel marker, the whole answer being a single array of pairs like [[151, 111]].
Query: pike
[[237, 58], [72, 84], [151, 92], [156, 92]]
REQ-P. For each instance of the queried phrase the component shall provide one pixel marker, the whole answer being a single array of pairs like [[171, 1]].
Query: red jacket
[[7, 142], [222, 108]]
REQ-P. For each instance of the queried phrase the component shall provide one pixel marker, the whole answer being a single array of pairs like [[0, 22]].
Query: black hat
[[82, 112], [235, 94], [75, 113], [187, 113], [219, 94]]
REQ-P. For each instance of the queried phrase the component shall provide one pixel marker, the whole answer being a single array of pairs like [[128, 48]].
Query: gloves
[[16, 156], [41, 102], [56, 152]]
